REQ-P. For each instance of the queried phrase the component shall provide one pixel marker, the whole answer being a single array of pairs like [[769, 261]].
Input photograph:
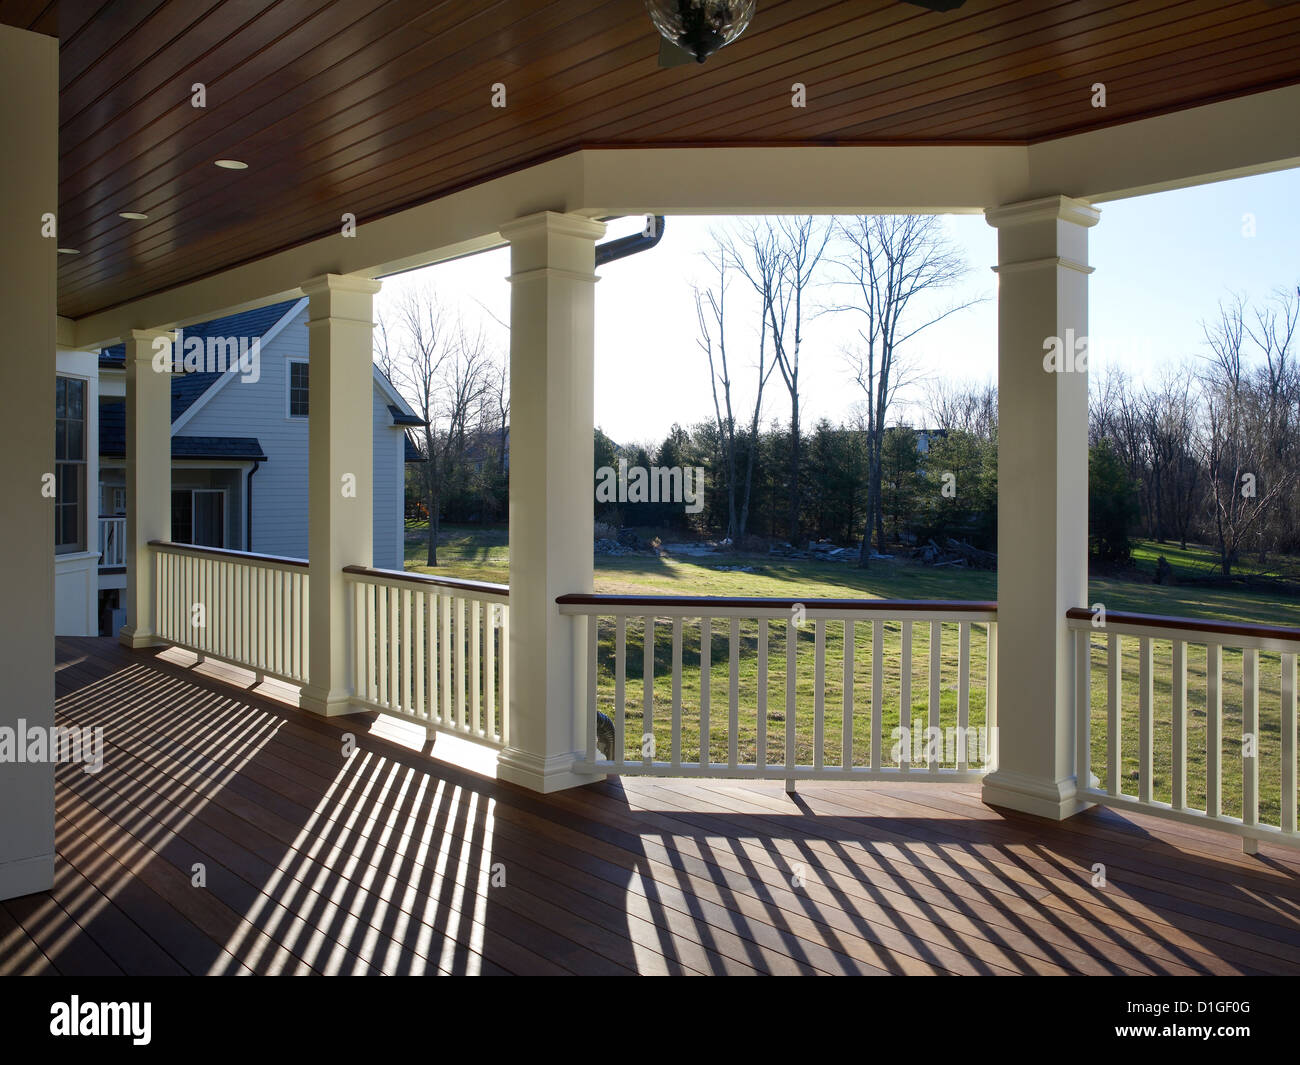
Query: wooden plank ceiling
[[368, 107]]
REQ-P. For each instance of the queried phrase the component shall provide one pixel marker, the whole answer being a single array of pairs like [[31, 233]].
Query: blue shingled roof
[[112, 439], [187, 388]]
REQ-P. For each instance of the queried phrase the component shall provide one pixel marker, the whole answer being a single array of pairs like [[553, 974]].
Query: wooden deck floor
[[385, 862]]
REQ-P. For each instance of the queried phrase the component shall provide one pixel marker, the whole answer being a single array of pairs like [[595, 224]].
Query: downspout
[[248, 506], [629, 245]]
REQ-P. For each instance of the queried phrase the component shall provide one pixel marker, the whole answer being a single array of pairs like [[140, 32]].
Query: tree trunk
[[435, 522]]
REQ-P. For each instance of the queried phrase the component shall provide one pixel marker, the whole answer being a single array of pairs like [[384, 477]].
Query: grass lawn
[[482, 554]]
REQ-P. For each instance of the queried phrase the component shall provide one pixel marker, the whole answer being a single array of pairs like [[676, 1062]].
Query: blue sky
[[1162, 264]]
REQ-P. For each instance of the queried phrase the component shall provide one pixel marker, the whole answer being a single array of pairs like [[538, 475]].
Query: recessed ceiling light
[[69, 251], [231, 164], [134, 216]]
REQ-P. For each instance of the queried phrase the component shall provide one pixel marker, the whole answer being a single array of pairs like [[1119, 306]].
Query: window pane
[[76, 446], [60, 397], [60, 439], [181, 514], [76, 392]]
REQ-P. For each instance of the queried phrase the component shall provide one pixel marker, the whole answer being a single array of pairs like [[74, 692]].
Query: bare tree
[[779, 258], [1247, 458], [963, 406], [713, 322], [441, 369], [885, 262]]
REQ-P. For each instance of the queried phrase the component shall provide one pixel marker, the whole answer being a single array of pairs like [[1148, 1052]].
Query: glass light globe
[[701, 27]]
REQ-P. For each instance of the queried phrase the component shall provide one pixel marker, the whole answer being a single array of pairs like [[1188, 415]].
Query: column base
[[129, 637], [328, 703], [26, 876], [543, 774], [1056, 800]]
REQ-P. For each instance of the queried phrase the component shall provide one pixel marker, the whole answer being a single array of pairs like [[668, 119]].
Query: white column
[[340, 529], [552, 426], [29, 72], [148, 474], [1042, 497]]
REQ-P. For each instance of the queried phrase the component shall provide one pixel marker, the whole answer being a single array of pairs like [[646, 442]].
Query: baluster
[[648, 754], [819, 693], [760, 754], [1178, 685], [1214, 729], [877, 692], [963, 695], [382, 592], [706, 675], [936, 680], [505, 674], [419, 698], [444, 658], [1288, 798], [407, 653], [475, 664], [905, 697], [733, 717], [846, 742], [459, 636], [620, 686], [677, 693], [490, 669], [1082, 708], [791, 652], [1250, 733], [1114, 681], [1146, 719]]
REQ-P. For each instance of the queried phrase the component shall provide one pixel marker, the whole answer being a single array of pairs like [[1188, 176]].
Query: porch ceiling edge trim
[[1232, 138]]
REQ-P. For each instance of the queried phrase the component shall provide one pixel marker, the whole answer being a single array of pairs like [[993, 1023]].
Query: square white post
[[340, 519], [1042, 497], [29, 123], [552, 427], [148, 474]]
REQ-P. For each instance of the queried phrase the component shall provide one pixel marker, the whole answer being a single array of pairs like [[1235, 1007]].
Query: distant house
[[239, 460]]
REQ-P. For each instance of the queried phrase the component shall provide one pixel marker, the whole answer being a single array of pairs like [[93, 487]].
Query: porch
[[384, 861]]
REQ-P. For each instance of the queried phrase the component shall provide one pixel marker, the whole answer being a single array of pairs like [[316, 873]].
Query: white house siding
[[261, 409]]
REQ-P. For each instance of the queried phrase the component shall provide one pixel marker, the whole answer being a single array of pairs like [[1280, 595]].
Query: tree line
[[1205, 454]]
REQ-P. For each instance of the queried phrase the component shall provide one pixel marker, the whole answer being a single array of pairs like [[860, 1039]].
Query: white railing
[[820, 656], [249, 610], [112, 540], [432, 650], [1214, 734]]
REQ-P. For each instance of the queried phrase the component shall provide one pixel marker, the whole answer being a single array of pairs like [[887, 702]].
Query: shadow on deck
[[384, 860]]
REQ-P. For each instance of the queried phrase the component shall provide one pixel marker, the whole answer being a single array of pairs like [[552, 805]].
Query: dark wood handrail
[[425, 578], [240, 556], [707, 602], [1216, 628]]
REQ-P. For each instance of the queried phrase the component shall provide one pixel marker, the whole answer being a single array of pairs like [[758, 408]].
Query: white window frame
[[288, 389]]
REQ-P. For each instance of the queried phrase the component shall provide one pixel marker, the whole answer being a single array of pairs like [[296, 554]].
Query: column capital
[[366, 286], [553, 223], [1045, 209], [147, 336]]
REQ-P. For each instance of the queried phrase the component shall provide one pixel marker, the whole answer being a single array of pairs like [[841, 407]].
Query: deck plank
[[385, 861]]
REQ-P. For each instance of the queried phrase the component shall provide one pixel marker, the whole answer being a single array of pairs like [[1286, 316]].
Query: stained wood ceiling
[[368, 107]]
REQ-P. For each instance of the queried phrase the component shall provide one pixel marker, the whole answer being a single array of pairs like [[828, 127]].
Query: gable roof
[[187, 388], [112, 439], [191, 390]]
